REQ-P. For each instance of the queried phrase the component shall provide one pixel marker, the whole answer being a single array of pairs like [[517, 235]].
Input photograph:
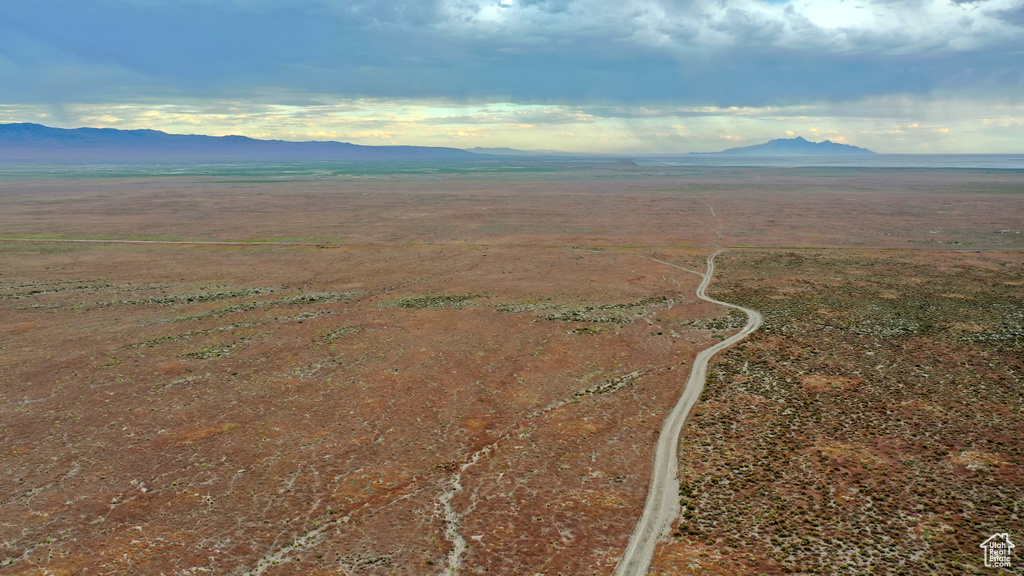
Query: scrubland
[[872, 425], [468, 373]]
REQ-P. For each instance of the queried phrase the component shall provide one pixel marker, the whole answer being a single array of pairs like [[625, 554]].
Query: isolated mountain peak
[[796, 147]]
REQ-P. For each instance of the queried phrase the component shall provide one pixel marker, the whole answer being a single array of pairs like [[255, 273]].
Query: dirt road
[[662, 507]]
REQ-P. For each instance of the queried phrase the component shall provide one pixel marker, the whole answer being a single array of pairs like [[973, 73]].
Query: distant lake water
[[976, 161]]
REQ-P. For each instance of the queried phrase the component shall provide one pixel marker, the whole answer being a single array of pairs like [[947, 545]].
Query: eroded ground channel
[[297, 410], [406, 374]]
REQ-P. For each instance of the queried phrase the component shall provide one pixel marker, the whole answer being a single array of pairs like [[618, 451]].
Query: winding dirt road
[[662, 507]]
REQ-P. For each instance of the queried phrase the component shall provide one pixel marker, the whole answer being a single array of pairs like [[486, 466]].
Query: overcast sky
[[580, 75]]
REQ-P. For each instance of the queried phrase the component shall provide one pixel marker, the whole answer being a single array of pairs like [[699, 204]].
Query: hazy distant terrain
[[37, 142], [795, 147]]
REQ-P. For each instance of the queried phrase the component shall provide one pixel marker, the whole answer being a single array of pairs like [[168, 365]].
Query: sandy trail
[[662, 507]]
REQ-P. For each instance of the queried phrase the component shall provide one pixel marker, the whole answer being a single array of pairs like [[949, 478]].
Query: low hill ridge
[[27, 141]]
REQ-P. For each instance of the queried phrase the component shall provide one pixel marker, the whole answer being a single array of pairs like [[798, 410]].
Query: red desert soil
[[471, 372], [858, 433]]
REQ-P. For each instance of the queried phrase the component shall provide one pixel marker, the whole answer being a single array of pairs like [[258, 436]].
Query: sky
[[608, 76]]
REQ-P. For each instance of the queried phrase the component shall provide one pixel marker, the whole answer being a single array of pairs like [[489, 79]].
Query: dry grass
[[903, 465], [303, 410]]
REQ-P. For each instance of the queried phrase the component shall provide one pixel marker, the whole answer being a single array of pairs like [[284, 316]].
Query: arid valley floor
[[461, 372]]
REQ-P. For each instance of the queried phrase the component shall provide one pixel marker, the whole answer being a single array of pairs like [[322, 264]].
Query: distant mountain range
[[793, 147], [515, 152], [546, 154], [779, 147], [37, 142]]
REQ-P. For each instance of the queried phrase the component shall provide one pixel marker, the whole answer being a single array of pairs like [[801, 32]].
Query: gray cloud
[[1014, 16], [551, 6], [653, 52]]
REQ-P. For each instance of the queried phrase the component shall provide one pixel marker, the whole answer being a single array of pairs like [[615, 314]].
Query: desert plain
[[463, 371]]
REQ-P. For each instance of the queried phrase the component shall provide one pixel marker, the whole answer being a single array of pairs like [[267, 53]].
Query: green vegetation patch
[[298, 299], [611, 385], [185, 336], [610, 313], [312, 297], [339, 332], [521, 307], [733, 321], [432, 301], [211, 352], [194, 298], [587, 330]]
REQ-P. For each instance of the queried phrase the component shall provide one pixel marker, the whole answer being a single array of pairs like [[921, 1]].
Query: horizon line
[[539, 152]]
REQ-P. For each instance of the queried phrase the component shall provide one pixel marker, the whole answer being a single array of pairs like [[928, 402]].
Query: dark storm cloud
[[721, 53], [1014, 16]]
